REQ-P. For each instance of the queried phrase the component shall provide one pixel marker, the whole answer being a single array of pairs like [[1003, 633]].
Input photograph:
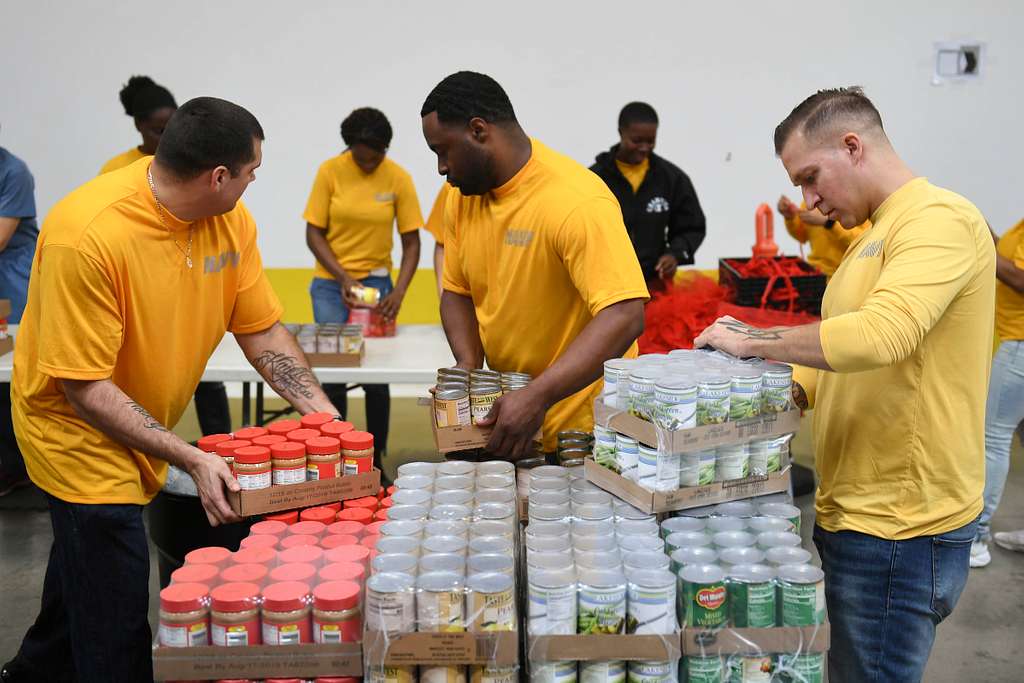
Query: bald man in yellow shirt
[[900, 361], [539, 273]]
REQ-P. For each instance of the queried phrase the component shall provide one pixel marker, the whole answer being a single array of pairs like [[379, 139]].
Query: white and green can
[[675, 403], [692, 555], [652, 672], [553, 672], [651, 602], [627, 455], [732, 462], [704, 670], [613, 671], [802, 594], [751, 592], [713, 396], [604, 447], [697, 468], [602, 602], [777, 453], [791, 513], [671, 525], [705, 596], [641, 393], [552, 602], [777, 388], [745, 393]]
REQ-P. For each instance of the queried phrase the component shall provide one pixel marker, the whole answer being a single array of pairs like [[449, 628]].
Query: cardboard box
[[699, 438], [494, 647], [459, 438], [5, 308], [6, 345], [736, 640], [337, 360], [257, 661], [689, 497], [307, 494], [594, 647]]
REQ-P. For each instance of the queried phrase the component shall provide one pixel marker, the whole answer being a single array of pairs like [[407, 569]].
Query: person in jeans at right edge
[[900, 361], [659, 205], [1005, 406]]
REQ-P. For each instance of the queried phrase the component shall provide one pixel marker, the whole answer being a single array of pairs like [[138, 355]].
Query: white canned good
[[597, 559], [583, 528], [642, 560], [651, 672], [390, 674], [553, 560], [415, 481], [624, 511], [447, 527], [487, 673], [732, 462], [777, 388], [443, 562], [673, 524], [491, 562], [553, 672], [553, 528], [391, 603], [449, 497], [397, 563], [745, 392], [491, 603], [716, 524], [552, 602], [713, 395], [407, 545], [501, 467], [675, 402], [641, 393], [411, 497], [778, 452], [483, 496], [647, 465], [693, 555], [494, 544], [504, 480], [668, 471], [616, 374], [450, 513], [409, 527], [454, 482], [637, 527], [602, 602], [548, 544], [736, 508], [759, 525], [416, 513], [440, 602], [697, 468], [442, 674], [758, 458], [738, 555], [785, 511], [776, 539], [444, 545], [604, 446], [686, 539], [733, 539], [651, 602], [784, 554], [627, 455], [603, 672], [636, 544]]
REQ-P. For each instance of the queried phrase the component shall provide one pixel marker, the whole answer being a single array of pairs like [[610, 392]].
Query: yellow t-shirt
[[358, 211], [907, 327], [540, 256], [1009, 302], [111, 297], [124, 159], [828, 245], [634, 173], [435, 221]]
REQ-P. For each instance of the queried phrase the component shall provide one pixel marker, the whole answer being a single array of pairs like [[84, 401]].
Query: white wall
[[720, 75]]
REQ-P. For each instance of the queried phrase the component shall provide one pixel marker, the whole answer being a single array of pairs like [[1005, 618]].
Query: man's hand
[[516, 417], [787, 208], [731, 336], [211, 475], [391, 304], [666, 267]]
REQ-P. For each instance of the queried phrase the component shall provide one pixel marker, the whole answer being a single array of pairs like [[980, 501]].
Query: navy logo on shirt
[[657, 205], [518, 238], [215, 264], [871, 249]]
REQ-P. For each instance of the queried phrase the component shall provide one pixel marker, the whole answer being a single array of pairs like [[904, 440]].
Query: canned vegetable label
[[705, 596], [481, 402], [805, 668], [553, 672], [651, 602], [713, 402], [493, 674], [704, 670], [601, 609], [552, 610], [651, 672], [802, 589], [751, 668], [603, 672], [744, 398], [752, 604], [451, 408]]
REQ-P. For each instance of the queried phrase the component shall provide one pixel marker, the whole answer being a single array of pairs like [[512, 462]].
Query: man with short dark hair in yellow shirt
[[539, 273], [900, 360], [138, 275]]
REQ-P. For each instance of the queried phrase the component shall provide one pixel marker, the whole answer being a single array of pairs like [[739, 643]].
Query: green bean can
[[603, 672], [777, 388], [651, 672], [808, 667], [745, 393], [705, 595], [802, 593], [704, 670], [751, 596], [713, 391]]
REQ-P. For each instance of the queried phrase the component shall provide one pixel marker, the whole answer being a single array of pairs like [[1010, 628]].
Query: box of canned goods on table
[[330, 345], [462, 399]]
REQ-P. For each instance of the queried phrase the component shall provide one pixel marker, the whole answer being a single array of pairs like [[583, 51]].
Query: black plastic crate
[[747, 291]]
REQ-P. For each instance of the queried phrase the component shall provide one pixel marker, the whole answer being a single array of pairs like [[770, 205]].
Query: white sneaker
[[980, 556], [1011, 540]]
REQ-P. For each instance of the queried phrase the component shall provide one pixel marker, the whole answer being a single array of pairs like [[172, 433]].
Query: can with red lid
[[346, 528], [252, 467], [260, 541], [336, 614], [361, 515], [214, 555], [255, 555], [288, 517], [298, 539], [357, 452], [286, 613], [381, 515], [374, 528], [250, 433], [303, 435], [356, 554], [337, 540], [296, 571], [371, 503], [235, 615], [316, 420], [288, 460], [323, 458], [310, 554], [334, 506], [185, 615], [310, 527], [196, 573], [245, 573], [343, 571], [226, 449], [322, 514], [268, 440], [271, 527], [336, 428], [283, 427], [209, 442]]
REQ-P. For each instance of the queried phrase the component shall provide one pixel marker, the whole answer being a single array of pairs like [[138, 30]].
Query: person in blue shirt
[[18, 233]]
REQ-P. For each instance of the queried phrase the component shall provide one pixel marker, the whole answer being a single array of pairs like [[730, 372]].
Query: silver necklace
[[187, 251]]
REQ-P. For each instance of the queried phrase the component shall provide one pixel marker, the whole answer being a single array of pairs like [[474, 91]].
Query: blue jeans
[[885, 599], [93, 620], [1004, 410], [329, 307]]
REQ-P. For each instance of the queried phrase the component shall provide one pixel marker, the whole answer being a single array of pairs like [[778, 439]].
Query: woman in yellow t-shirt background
[[435, 226], [828, 239], [358, 198], [151, 106]]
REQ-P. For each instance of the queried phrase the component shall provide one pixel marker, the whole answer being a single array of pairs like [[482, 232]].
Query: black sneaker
[[11, 482]]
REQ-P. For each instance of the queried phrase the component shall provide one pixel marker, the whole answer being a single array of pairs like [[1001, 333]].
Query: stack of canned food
[[595, 565], [445, 562], [327, 337], [463, 397], [740, 565], [687, 388], [573, 446]]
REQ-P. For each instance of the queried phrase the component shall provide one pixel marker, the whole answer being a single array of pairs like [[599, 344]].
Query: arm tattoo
[[285, 374], [752, 332], [150, 421]]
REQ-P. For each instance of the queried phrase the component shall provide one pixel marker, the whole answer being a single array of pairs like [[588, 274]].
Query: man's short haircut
[[826, 109], [467, 95], [637, 112], [207, 132]]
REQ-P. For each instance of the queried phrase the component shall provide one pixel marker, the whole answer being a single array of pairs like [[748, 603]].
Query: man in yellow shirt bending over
[[138, 274], [539, 273], [829, 239], [900, 360]]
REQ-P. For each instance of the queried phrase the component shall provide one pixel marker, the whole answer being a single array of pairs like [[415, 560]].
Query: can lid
[[785, 554], [303, 435], [285, 596], [403, 563], [751, 573], [287, 450], [195, 573], [288, 517], [772, 539], [295, 571], [322, 514], [483, 563], [702, 573], [390, 582], [256, 555], [652, 578], [357, 440], [301, 553], [226, 449], [269, 440], [381, 515], [740, 555], [374, 528], [370, 542], [251, 573], [234, 597], [296, 540], [733, 539], [272, 527], [337, 540], [357, 554], [385, 503], [252, 455], [369, 502], [346, 527], [343, 571], [446, 562], [209, 555], [322, 445], [183, 597], [308, 527], [490, 582], [362, 515], [336, 506], [800, 573], [438, 582], [336, 595], [250, 433], [316, 420], [209, 443], [283, 427], [260, 541], [336, 428]]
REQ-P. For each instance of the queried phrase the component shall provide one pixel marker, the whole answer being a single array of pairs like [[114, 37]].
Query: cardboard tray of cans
[[305, 494], [338, 360], [688, 497], [257, 661], [332, 352], [729, 640], [599, 647], [698, 438], [496, 648], [459, 437]]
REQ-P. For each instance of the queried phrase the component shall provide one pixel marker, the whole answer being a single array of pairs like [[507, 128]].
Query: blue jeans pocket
[[951, 556]]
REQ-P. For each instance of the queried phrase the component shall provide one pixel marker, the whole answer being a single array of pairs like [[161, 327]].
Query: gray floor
[[982, 641]]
